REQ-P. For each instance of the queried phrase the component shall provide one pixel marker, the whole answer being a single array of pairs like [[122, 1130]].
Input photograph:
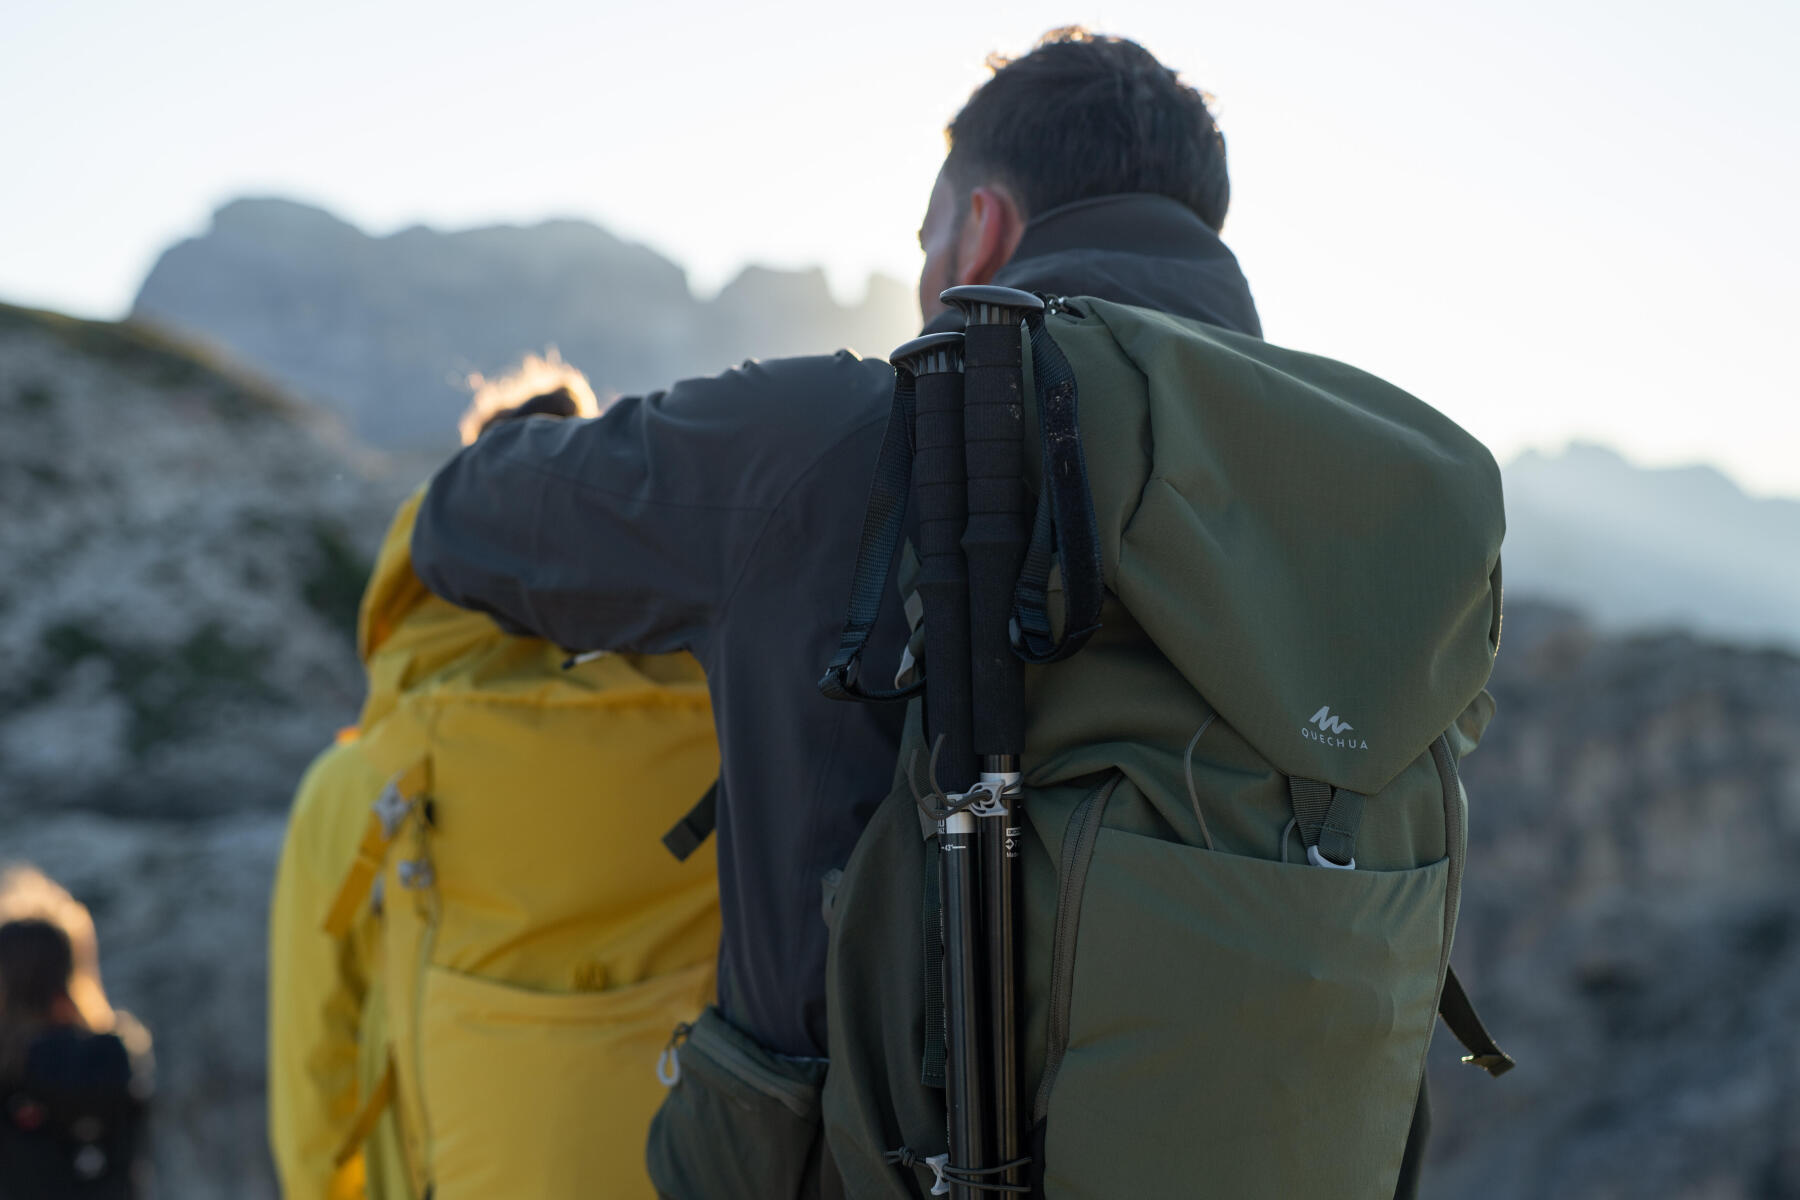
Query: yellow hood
[[403, 632]]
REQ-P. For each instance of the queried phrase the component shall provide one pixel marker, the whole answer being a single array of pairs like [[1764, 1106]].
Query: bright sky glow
[[1549, 219]]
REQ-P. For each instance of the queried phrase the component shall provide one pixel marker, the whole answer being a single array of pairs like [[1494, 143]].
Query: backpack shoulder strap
[[386, 817], [1064, 529], [373, 1105], [1463, 1021], [884, 524]]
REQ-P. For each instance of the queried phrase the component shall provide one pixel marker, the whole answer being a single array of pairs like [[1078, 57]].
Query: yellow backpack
[[537, 944]]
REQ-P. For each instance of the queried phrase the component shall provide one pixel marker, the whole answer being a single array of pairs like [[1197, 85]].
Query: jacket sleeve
[[630, 531], [317, 983]]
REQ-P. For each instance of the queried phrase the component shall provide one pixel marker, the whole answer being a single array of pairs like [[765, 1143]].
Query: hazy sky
[[1550, 220]]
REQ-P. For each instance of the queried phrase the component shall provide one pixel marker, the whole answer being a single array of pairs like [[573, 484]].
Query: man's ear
[[990, 234]]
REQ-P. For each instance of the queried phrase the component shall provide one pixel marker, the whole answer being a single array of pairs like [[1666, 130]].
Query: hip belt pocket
[[739, 1122]]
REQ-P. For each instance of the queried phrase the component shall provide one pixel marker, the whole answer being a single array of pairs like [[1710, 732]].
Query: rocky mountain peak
[[386, 330]]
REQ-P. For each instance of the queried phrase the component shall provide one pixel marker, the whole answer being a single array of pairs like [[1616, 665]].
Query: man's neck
[[1135, 248]]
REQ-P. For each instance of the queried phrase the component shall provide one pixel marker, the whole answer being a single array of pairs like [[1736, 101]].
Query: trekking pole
[[935, 362], [994, 545]]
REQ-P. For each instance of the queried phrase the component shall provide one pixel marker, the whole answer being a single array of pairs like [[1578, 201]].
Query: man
[[722, 516]]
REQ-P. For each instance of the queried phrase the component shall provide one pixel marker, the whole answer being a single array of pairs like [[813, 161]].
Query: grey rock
[[183, 555], [1630, 924], [180, 564]]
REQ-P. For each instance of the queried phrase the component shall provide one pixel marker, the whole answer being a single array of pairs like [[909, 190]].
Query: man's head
[[1080, 116], [37, 962]]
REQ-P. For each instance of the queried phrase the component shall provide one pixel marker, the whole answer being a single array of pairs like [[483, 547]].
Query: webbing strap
[[1462, 1020], [884, 523], [364, 1125], [1064, 528], [386, 816], [691, 832], [931, 1066], [1328, 818]]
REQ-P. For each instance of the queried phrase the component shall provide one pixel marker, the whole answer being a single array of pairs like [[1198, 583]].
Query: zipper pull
[[668, 1063]]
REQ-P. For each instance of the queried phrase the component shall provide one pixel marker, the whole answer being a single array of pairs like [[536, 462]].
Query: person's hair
[[36, 963], [546, 382], [1085, 115], [26, 892]]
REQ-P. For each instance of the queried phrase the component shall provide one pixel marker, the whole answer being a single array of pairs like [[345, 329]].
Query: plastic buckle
[[1319, 860], [987, 806], [939, 1185], [993, 803], [391, 808], [416, 873], [839, 681]]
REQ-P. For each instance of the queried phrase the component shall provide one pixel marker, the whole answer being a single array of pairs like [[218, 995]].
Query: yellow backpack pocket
[[546, 1094]]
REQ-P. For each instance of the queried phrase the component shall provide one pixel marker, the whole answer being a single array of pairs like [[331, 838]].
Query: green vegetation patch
[[334, 586], [35, 396], [155, 356], [169, 694]]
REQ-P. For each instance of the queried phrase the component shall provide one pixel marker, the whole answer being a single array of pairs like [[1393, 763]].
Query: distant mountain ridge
[[1653, 548], [385, 330]]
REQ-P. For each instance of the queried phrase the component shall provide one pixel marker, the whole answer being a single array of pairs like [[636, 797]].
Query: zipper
[[1078, 853], [799, 1098]]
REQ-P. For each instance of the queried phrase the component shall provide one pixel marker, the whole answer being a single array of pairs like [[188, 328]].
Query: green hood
[[1315, 551]]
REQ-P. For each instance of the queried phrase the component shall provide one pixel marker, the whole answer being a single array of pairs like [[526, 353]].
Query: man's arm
[[630, 531]]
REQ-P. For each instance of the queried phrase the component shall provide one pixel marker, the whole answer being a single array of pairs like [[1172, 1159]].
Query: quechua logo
[[1331, 731]]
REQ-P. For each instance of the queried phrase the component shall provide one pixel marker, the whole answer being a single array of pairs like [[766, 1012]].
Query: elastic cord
[[1187, 766]]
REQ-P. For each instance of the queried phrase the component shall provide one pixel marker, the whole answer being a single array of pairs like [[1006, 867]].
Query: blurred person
[[476, 948], [722, 517], [72, 1096], [27, 892]]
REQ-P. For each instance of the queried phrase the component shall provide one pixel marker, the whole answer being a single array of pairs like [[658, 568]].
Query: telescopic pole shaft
[[994, 545], [940, 492]]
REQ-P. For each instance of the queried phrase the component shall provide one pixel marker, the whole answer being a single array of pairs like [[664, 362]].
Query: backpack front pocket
[[558, 1085], [1256, 1029]]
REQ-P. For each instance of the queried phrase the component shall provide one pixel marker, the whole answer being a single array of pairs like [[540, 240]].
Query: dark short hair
[[36, 964], [1084, 115]]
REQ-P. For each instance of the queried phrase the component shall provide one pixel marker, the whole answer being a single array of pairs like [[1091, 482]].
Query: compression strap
[[691, 832]]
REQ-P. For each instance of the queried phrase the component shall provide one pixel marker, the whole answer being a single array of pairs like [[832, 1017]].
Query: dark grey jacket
[[721, 517]]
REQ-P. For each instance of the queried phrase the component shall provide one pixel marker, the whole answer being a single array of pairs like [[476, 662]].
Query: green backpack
[[1301, 608]]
